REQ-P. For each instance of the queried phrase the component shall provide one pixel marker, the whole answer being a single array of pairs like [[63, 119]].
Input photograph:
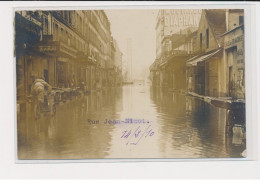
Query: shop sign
[[176, 20], [182, 20], [236, 38], [233, 38], [47, 48], [234, 41]]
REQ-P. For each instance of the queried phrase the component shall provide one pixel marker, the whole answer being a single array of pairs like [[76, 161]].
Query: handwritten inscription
[[134, 136]]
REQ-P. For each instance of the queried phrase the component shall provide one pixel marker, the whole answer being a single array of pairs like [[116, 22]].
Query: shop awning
[[193, 61], [175, 54]]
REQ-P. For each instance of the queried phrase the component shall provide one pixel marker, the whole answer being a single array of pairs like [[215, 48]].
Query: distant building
[[170, 70], [172, 21], [175, 40]]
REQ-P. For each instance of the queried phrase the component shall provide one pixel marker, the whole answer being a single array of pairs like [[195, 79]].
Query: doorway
[[46, 75]]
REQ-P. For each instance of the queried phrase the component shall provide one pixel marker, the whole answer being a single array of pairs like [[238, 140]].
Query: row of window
[[103, 32], [64, 34], [74, 18]]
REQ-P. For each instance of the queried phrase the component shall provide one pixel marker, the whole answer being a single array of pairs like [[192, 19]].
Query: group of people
[[41, 93]]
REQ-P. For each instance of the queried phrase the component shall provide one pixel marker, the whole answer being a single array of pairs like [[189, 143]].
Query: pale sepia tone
[[130, 84]]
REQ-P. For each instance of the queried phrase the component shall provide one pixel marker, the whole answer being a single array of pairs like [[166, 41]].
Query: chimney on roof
[[227, 15]]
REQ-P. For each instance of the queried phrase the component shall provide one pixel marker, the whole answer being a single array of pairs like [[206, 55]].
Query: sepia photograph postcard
[[160, 83]]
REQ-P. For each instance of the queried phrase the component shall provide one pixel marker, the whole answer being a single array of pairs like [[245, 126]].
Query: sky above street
[[139, 25]]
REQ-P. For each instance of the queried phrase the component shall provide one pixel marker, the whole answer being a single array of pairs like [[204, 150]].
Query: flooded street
[[133, 121]]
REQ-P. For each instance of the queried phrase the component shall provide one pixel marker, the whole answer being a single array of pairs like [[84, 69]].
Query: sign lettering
[[234, 40], [47, 48]]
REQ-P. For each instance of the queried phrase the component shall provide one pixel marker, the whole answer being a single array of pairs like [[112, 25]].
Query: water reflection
[[195, 127], [183, 127], [68, 135]]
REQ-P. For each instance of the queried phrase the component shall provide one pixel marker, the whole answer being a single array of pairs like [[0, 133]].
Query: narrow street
[[155, 83], [132, 121]]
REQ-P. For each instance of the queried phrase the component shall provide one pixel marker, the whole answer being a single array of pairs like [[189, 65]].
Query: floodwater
[[133, 121]]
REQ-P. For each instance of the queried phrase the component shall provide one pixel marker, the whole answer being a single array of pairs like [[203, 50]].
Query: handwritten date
[[134, 136]]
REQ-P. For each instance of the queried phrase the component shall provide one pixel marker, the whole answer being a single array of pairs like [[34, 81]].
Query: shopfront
[[235, 61]]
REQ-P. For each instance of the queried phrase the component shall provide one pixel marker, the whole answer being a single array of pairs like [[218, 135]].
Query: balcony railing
[[28, 29], [33, 19], [28, 19]]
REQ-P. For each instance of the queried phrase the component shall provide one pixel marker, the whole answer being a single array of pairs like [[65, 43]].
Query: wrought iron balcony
[[27, 29], [28, 21]]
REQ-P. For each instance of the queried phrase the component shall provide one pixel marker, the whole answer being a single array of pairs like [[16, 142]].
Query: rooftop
[[217, 21]]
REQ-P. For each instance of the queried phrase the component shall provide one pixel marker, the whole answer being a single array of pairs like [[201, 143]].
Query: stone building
[[99, 38], [171, 21], [175, 32], [170, 69], [111, 64], [67, 48], [217, 70], [233, 78], [203, 69], [214, 54], [118, 59]]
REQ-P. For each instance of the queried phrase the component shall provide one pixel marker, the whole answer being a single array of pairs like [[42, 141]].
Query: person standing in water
[[39, 91]]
